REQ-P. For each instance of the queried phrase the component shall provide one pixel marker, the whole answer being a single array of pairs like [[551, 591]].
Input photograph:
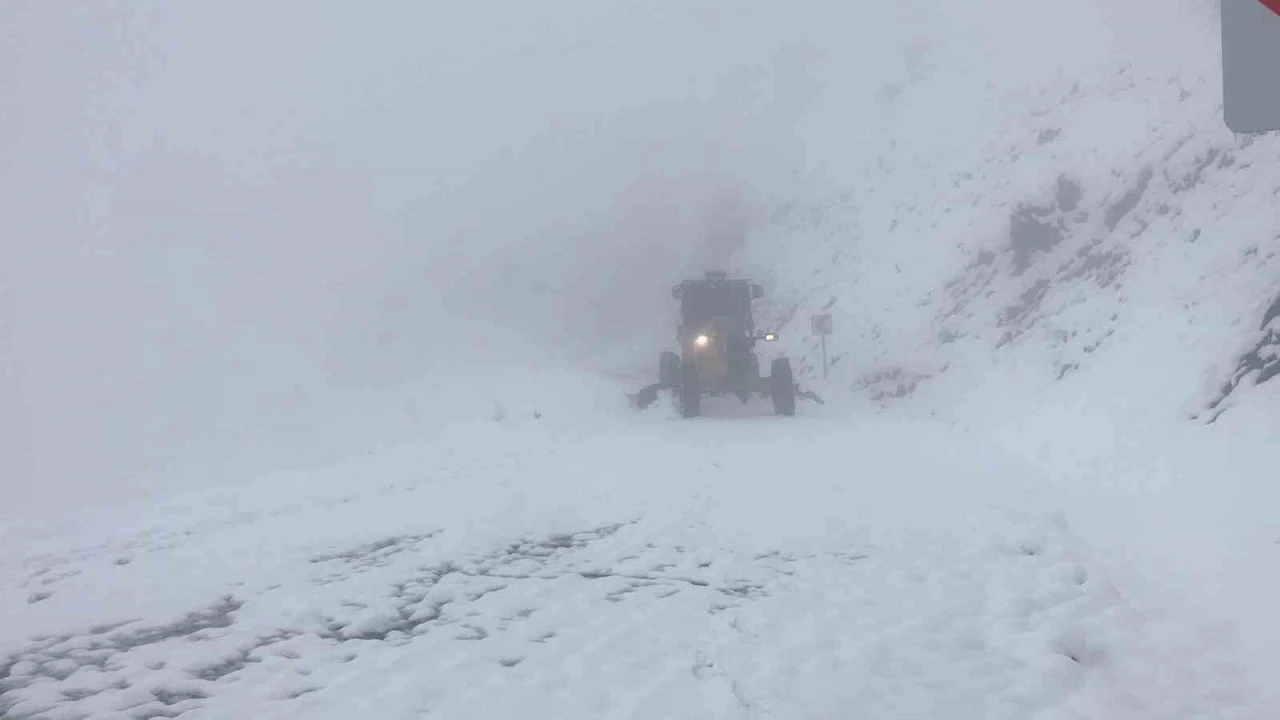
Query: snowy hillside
[[422, 277], [1099, 225]]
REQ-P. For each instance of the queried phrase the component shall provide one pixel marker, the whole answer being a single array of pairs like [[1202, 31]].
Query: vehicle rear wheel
[[690, 394], [668, 369], [749, 383], [782, 387]]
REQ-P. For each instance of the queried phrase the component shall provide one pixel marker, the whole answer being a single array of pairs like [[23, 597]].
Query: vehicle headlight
[[701, 340]]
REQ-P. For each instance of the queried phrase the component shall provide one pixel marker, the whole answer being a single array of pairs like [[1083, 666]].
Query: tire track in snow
[[725, 584]]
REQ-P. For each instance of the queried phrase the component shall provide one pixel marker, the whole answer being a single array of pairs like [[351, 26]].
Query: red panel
[[1274, 5]]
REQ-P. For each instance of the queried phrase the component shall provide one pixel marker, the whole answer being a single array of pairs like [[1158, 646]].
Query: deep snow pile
[[644, 567]]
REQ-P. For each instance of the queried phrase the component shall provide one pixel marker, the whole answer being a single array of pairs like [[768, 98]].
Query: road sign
[[821, 324], [1250, 56]]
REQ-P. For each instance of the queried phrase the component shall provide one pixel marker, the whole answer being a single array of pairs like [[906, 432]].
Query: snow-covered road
[[416, 269], [613, 566]]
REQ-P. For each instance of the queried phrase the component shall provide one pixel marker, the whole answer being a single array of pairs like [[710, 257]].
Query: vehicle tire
[[751, 383], [782, 387], [690, 393], [668, 370]]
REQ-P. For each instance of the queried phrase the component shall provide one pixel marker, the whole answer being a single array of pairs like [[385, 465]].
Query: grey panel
[[1250, 66]]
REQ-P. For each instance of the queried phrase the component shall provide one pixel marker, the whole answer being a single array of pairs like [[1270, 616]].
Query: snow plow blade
[[649, 394], [646, 397]]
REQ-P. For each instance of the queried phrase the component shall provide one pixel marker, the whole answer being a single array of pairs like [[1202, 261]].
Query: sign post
[[821, 326], [1250, 58]]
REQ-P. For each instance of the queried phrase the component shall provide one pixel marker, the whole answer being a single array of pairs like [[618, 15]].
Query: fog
[[212, 210]]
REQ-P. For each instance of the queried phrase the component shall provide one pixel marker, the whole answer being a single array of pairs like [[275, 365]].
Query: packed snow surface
[[588, 562]]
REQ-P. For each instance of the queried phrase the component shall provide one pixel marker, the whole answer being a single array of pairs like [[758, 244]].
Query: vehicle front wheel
[[782, 387], [690, 393]]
